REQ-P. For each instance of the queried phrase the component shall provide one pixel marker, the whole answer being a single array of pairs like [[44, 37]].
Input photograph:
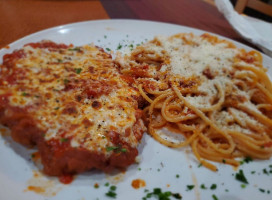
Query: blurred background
[[19, 18]]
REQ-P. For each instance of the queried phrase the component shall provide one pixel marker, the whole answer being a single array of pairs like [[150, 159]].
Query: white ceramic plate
[[159, 166]]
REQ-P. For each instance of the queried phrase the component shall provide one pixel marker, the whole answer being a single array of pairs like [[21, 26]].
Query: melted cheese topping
[[75, 94]]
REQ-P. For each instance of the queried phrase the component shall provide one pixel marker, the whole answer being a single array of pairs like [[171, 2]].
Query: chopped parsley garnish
[[108, 49], [223, 161], [248, 159], [119, 47], [74, 49], [200, 165], [214, 197], [96, 185], [113, 187], [190, 187], [265, 172], [253, 172], [64, 139], [177, 176], [111, 148], [56, 108], [261, 190], [139, 169], [111, 193], [213, 186], [65, 81], [60, 61], [157, 193], [130, 46], [105, 36], [107, 184], [78, 70], [243, 186], [117, 149], [241, 177], [24, 94], [202, 186]]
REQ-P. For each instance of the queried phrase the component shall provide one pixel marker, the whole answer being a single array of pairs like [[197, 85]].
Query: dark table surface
[[19, 18]]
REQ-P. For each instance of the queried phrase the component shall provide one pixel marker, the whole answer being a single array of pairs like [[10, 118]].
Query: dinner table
[[157, 168], [19, 18]]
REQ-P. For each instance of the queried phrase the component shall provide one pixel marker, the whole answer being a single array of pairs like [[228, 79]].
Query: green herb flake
[[223, 161], [200, 165], [177, 176], [107, 184], [64, 139], [248, 159], [33, 155], [60, 60], [123, 150], [253, 172], [78, 70], [108, 49], [213, 187], [74, 49], [158, 194], [190, 187], [202, 186], [113, 188], [177, 196], [111, 194], [24, 94], [131, 45], [243, 186], [265, 172], [139, 169], [56, 108], [65, 81], [241, 177], [96, 185], [261, 190], [111, 148], [119, 47], [214, 197], [226, 190], [105, 36]]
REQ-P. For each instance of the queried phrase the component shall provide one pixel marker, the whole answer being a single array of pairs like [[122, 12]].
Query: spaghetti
[[218, 97]]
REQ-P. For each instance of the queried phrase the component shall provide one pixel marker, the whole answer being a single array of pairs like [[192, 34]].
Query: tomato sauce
[[66, 179], [138, 183]]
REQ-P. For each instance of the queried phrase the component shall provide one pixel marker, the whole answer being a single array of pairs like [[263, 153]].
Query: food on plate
[[73, 104], [207, 92]]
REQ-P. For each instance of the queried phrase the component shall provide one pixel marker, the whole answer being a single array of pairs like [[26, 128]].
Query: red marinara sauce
[[66, 179]]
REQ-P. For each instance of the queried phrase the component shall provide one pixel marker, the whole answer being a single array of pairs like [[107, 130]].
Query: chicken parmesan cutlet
[[73, 104]]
